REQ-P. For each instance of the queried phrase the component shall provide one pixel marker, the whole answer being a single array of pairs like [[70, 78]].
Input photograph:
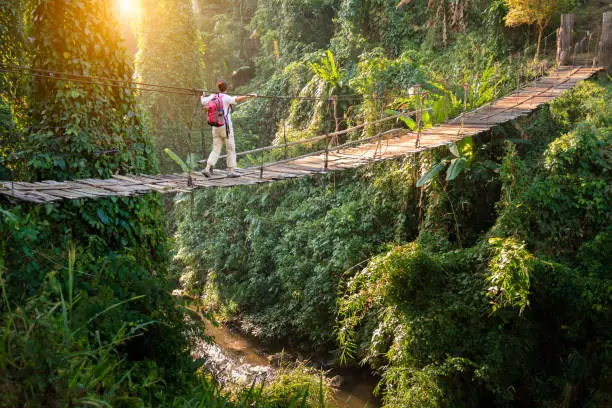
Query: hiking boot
[[207, 172], [232, 174]]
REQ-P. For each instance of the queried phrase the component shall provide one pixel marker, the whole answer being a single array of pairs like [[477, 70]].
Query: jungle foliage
[[170, 52], [473, 326], [87, 316], [473, 309], [486, 285]]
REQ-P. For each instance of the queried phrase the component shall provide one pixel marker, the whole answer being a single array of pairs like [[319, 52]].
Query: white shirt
[[227, 102]]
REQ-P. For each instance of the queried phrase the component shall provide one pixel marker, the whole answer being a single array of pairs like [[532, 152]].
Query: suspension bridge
[[383, 146]]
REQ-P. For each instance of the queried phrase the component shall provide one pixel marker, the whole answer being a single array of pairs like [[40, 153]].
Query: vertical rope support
[[466, 87], [417, 93], [285, 136], [337, 123], [326, 151], [12, 169], [195, 112], [518, 78], [379, 127], [261, 167], [329, 107]]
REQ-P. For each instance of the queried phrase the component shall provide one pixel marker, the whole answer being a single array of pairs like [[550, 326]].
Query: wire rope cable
[[149, 87]]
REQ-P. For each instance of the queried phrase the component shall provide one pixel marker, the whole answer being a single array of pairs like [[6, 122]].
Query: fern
[[327, 70]]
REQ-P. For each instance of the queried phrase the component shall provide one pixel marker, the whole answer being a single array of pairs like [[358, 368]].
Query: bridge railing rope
[[401, 144], [326, 138], [317, 138], [583, 46]]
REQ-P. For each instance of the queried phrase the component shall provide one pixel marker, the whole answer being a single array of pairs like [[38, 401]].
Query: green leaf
[[102, 216], [409, 122], [181, 197], [192, 160], [439, 110], [177, 160], [466, 148], [454, 150], [491, 165], [9, 216], [455, 168], [431, 173]]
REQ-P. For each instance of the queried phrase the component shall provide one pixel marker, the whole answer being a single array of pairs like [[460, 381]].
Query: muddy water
[[236, 358]]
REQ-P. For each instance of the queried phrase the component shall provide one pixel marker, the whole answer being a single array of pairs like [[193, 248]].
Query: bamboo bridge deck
[[388, 146]]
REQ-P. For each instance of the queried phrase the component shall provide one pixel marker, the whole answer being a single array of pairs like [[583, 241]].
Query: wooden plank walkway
[[389, 145]]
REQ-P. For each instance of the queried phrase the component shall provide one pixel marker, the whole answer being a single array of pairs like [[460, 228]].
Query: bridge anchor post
[[564, 39]]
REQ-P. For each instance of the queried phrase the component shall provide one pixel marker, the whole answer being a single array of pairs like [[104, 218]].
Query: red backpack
[[216, 117]]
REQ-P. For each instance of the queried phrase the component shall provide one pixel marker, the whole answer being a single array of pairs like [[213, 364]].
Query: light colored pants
[[220, 135]]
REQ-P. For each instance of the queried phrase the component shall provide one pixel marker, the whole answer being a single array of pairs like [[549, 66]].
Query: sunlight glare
[[128, 8]]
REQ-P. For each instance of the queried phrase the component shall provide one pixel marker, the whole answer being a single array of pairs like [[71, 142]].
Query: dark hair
[[221, 85]]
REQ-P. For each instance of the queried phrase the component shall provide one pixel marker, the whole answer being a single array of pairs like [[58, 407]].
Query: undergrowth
[[521, 317]]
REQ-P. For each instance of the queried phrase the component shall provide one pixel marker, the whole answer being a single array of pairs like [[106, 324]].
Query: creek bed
[[235, 358]]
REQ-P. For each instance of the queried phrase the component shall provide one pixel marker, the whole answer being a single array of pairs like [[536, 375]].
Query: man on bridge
[[225, 132]]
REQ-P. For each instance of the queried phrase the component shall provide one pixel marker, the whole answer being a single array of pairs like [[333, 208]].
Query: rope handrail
[[143, 86], [349, 155], [319, 152], [93, 80], [318, 138]]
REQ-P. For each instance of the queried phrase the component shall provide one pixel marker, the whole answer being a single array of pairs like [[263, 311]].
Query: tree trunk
[[564, 39], [537, 54], [605, 43]]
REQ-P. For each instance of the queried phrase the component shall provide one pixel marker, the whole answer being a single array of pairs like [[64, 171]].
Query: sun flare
[[128, 8]]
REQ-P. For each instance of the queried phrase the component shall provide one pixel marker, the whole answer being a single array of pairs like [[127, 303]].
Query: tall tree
[[12, 36], [12, 85], [538, 12], [170, 53], [119, 244], [229, 45], [76, 119]]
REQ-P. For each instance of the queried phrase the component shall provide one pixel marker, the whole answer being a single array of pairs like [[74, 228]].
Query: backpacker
[[216, 117]]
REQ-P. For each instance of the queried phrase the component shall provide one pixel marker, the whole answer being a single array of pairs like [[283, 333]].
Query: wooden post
[[564, 39], [605, 43]]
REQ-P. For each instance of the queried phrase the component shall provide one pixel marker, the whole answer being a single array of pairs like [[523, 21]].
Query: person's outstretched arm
[[204, 99], [240, 99]]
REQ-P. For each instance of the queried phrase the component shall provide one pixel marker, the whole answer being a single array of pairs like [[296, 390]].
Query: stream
[[234, 358]]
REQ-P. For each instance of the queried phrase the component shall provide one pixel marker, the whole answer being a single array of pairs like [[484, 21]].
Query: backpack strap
[[226, 117]]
